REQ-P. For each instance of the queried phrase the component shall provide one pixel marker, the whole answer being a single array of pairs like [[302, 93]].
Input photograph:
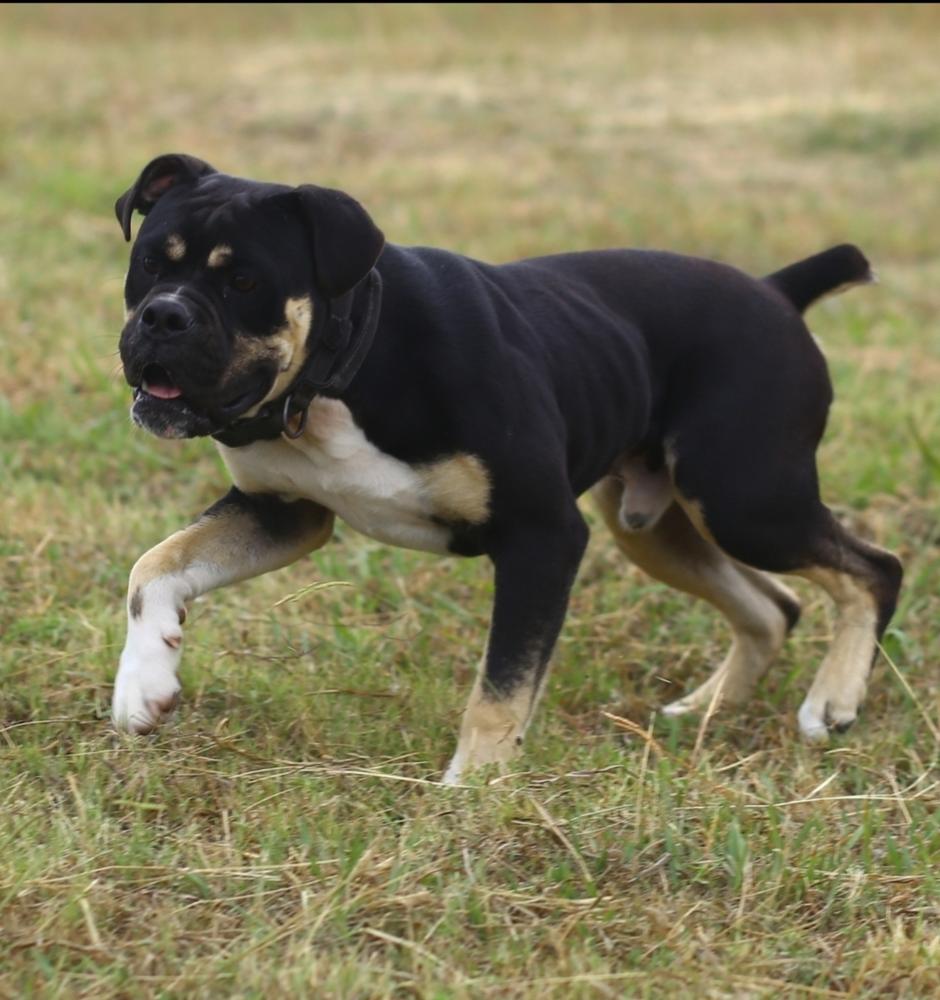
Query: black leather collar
[[340, 346]]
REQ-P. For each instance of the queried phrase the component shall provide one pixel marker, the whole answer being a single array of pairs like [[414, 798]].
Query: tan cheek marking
[[175, 247], [220, 255], [459, 488], [249, 351], [299, 314], [291, 341], [285, 346]]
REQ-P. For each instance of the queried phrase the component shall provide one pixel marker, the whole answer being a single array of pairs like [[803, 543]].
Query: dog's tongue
[[157, 382], [164, 391]]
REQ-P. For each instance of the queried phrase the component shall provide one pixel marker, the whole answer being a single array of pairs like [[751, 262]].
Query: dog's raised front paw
[[146, 689]]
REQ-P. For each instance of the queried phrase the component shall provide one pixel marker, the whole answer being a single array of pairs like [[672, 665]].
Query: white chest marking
[[334, 463]]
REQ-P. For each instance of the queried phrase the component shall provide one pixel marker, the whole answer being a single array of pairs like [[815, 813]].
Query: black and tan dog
[[439, 403]]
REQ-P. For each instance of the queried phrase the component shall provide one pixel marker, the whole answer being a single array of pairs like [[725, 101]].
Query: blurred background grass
[[273, 854]]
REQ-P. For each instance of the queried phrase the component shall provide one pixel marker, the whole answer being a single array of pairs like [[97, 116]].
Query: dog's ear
[[346, 242], [156, 179]]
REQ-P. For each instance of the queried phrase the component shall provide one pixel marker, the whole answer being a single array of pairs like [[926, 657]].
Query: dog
[[440, 403]]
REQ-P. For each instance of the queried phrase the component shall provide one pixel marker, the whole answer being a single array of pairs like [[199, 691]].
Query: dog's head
[[224, 280]]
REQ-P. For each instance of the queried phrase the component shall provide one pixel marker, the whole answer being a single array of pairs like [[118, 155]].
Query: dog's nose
[[166, 316]]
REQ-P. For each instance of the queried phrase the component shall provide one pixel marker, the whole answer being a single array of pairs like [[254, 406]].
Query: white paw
[[146, 689], [731, 685], [812, 721], [714, 690], [819, 716], [681, 707], [453, 773]]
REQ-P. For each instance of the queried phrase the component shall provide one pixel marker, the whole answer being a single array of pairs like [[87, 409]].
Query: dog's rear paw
[[725, 689], [682, 706], [818, 717], [475, 757]]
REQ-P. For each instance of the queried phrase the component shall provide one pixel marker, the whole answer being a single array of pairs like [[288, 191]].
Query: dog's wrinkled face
[[224, 279]]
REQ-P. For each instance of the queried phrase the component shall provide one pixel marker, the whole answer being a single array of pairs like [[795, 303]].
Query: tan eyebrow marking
[[175, 247], [220, 255]]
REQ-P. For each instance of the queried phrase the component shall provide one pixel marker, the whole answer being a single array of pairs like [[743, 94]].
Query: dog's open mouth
[[168, 409], [156, 381]]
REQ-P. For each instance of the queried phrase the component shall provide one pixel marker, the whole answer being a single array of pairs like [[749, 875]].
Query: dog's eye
[[242, 283], [151, 265]]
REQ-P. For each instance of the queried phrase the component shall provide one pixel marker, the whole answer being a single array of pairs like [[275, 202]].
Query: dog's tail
[[826, 273]]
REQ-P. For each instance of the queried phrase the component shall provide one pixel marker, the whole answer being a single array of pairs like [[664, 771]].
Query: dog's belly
[[334, 463]]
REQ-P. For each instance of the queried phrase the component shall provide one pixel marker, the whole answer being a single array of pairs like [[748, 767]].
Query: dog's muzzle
[[178, 358]]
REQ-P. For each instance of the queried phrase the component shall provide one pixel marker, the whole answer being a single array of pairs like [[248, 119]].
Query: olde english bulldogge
[[440, 403]]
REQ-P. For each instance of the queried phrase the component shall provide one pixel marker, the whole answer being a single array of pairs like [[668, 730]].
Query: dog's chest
[[334, 463]]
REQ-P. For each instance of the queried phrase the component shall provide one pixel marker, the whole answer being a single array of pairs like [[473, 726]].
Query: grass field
[[285, 836]]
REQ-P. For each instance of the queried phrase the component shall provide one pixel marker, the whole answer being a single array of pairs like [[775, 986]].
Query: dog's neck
[[340, 344]]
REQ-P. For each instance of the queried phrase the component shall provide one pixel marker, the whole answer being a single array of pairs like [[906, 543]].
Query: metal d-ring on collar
[[288, 431], [339, 349]]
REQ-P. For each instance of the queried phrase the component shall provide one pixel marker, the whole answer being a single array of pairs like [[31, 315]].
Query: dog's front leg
[[534, 572], [243, 535]]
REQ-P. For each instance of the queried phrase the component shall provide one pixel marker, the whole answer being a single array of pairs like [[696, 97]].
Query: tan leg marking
[[286, 347], [676, 553], [459, 488], [219, 543], [492, 727], [693, 511], [175, 247], [842, 679]]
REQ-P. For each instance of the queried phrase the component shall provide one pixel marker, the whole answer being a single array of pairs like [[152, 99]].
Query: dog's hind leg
[[760, 610], [863, 581], [779, 524]]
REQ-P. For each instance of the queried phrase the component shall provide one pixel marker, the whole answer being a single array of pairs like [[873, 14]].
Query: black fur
[[804, 282], [277, 520]]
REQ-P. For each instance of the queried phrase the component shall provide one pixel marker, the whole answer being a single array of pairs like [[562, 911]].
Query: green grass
[[286, 835]]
